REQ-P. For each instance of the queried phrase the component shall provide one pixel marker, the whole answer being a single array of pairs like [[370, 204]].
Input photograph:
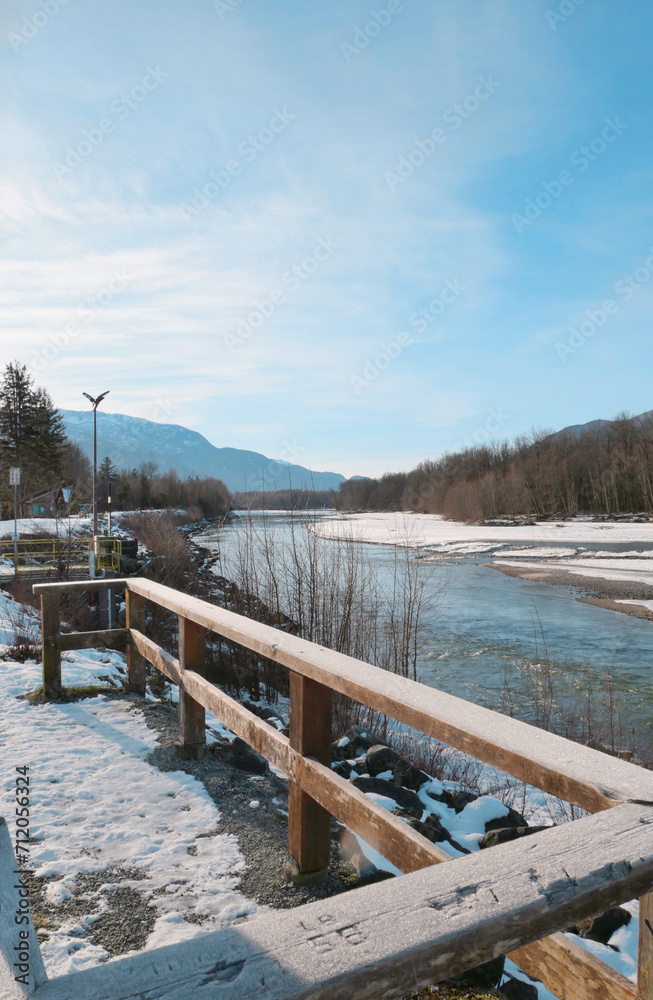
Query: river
[[486, 632]]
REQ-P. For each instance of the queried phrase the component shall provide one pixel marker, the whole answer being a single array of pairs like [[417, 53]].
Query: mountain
[[129, 441], [575, 430]]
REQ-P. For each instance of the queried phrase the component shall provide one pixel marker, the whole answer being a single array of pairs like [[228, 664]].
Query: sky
[[352, 236]]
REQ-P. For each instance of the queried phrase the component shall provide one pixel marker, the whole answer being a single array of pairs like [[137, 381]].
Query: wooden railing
[[391, 938]]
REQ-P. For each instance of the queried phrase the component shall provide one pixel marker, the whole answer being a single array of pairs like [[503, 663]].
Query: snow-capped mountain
[[129, 441]]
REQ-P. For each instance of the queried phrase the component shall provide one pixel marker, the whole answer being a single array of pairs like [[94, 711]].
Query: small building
[[45, 503]]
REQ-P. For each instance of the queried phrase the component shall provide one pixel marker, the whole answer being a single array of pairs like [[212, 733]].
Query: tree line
[[605, 469]]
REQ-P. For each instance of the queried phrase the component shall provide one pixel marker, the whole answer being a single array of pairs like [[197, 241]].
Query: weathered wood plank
[[50, 630], [309, 824], [75, 586], [136, 664], [645, 956], [577, 774], [379, 941], [571, 972], [388, 834], [114, 638], [13, 908], [192, 654]]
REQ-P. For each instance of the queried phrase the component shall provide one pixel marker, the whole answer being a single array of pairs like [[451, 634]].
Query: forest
[[606, 469]]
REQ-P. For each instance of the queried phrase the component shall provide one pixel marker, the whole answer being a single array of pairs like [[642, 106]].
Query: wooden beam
[[13, 935], [114, 638], [77, 586], [575, 773], [135, 619], [50, 634], [309, 824], [645, 955], [378, 942], [192, 655], [571, 972]]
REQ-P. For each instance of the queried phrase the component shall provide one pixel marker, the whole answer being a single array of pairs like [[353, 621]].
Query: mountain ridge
[[130, 441]]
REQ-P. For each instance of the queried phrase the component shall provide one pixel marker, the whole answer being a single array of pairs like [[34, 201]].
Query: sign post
[[14, 480]]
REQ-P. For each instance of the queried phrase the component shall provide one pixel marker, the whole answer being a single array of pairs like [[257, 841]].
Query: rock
[[243, 758], [408, 775], [433, 830], [380, 758], [505, 834], [516, 989], [364, 739], [362, 864], [513, 820], [402, 796], [461, 799], [343, 768], [602, 928]]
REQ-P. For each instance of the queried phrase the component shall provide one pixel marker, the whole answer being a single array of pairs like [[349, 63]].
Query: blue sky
[[349, 235]]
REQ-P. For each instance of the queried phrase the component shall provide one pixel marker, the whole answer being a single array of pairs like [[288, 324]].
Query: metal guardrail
[[378, 941]]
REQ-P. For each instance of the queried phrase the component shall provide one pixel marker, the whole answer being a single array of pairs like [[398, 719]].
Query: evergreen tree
[[31, 431]]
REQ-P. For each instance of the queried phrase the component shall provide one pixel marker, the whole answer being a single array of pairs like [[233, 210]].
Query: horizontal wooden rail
[[109, 638], [375, 942]]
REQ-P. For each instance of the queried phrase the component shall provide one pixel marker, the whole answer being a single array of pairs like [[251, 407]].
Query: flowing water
[[487, 631]]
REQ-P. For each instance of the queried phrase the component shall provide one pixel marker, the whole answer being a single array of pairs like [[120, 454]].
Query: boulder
[[380, 758], [433, 830], [505, 834], [483, 977], [408, 775], [602, 928], [343, 768], [363, 739], [516, 989], [513, 820], [243, 758], [462, 798], [402, 796]]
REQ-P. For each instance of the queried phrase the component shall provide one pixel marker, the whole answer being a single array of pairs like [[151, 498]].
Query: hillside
[[129, 441]]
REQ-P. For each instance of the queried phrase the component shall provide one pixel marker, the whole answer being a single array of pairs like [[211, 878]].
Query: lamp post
[[96, 403]]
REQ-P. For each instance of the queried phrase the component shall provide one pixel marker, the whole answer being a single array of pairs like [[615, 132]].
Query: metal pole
[[94, 469], [16, 528]]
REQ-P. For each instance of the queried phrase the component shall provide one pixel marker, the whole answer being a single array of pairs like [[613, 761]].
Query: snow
[[628, 570], [421, 530], [642, 604], [96, 802]]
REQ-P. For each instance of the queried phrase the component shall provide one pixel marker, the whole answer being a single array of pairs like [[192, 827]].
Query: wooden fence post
[[50, 631], [192, 653], [135, 618], [645, 956], [309, 825]]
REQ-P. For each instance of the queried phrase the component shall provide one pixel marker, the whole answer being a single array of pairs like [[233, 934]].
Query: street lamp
[[96, 403]]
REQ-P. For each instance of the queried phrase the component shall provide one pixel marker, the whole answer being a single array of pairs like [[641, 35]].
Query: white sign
[[14, 477]]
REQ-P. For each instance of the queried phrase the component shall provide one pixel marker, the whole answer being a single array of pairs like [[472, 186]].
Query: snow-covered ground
[[97, 804], [422, 530], [454, 539]]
